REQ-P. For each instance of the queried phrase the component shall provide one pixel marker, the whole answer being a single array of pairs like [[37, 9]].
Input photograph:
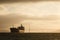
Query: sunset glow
[[42, 16]]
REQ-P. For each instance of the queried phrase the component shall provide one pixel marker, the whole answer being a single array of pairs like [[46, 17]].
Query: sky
[[36, 15]]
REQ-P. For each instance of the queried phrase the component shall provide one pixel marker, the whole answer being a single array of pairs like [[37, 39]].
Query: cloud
[[15, 18], [10, 19], [13, 1], [49, 17]]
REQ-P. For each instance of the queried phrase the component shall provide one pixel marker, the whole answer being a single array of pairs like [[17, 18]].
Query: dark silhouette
[[20, 29], [14, 30]]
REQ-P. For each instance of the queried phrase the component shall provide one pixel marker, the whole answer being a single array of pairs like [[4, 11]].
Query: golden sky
[[40, 16]]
